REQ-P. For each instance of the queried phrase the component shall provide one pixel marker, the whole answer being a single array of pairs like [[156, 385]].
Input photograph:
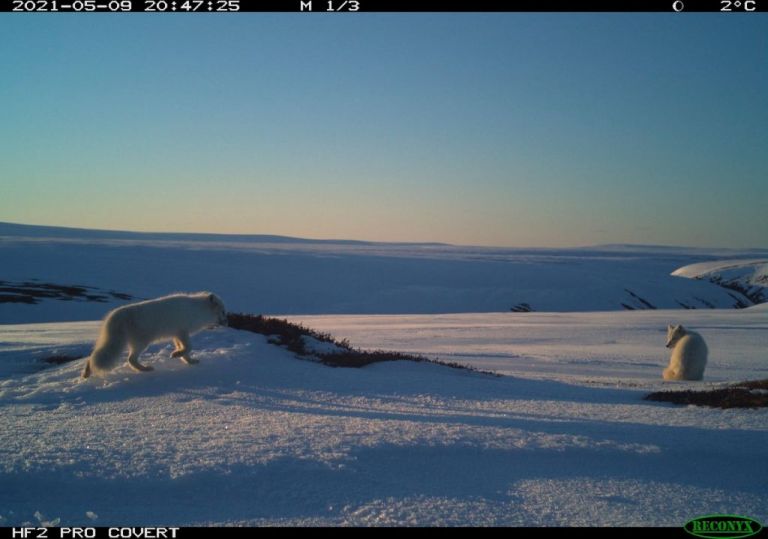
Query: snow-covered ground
[[253, 435], [754, 268], [622, 348]]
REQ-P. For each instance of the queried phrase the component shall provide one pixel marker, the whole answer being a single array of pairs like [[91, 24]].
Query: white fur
[[689, 354], [138, 325]]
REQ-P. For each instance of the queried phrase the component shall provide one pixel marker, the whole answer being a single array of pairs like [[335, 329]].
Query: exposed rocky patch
[[757, 293], [636, 302], [522, 308], [32, 292]]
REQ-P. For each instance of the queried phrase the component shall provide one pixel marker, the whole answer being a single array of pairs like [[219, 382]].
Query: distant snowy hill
[[60, 232], [81, 274], [746, 277]]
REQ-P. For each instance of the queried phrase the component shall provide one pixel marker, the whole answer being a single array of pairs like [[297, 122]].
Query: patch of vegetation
[[751, 394], [284, 333], [361, 358], [60, 360]]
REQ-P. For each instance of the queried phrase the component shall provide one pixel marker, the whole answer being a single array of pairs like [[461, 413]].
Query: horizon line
[[278, 238]]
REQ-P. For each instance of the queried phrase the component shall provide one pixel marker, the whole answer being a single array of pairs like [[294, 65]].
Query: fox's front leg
[[133, 359], [183, 348]]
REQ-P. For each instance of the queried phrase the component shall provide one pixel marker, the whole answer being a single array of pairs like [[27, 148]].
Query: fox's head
[[674, 334], [217, 306]]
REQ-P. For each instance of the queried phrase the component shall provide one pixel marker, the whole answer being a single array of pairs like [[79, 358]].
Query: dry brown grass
[[741, 395]]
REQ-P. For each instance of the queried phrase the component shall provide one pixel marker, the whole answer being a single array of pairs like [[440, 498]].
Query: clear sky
[[485, 129]]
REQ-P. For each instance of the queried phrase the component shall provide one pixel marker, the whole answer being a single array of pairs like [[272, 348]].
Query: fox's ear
[[670, 327], [210, 297]]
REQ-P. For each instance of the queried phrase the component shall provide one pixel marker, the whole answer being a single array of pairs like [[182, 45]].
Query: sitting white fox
[[138, 325], [689, 354]]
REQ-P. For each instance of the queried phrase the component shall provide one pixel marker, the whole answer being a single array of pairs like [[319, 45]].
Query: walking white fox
[[689, 354], [138, 325]]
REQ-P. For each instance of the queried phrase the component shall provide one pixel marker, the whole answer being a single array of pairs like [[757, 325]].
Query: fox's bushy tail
[[108, 349]]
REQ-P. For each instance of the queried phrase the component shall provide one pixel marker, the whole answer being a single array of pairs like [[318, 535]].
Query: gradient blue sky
[[485, 129]]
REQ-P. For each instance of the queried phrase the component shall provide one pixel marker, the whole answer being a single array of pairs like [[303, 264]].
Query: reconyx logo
[[722, 526]]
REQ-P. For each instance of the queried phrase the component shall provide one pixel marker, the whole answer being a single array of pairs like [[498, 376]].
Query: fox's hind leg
[[133, 359], [183, 348]]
